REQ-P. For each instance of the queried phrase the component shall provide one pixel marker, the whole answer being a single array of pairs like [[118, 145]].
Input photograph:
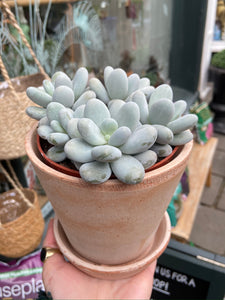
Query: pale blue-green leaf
[[147, 158], [90, 132], [128, 115], [48, 87], [162, 150], [128, 169], [114, 107], [107, 72], [99, 89], [140, 99], [44, 131], [63, 79], [83, 99], [95, 172], [108, 126], [43, 121], [164, 134], [117, 84], [140, 140], [58, 138], [35, 112], [56, 126], [39, 97], [183, 123], [133, 83], [72, 129], [182, 138], [179, 108], [120, 136], [162, 91], [97, 111], [65, 115], [106, 153], [53, 110], [64, 95], [56, 154], [144, 82], [55, 75], [79, 82], [148, 90], [78, 150], [79, 112], [161, 112]]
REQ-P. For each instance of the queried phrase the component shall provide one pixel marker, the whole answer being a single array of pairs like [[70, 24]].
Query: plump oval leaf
[[53, 110], [97, 111], [44, 131], [106, 153], [90, 132], [128, 169], [162, 150], [79, 82], [78, 150], [128, 115], [35, 112], [56, 154], [99, 89], [58, 138], [162, 91], [182, 138], [83, 99], [117, 84], [183, 123], [147, 158], [95, 172], [164, 134], [64, 95], [120, 136], [39, 97], [161, 112]]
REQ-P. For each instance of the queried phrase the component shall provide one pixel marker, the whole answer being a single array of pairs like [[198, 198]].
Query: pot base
[[116, 272]]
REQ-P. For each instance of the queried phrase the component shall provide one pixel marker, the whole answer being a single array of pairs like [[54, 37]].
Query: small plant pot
[[68, 168], [111, 224]]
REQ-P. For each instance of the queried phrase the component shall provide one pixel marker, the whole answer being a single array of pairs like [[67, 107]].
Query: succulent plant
[[120, 127]]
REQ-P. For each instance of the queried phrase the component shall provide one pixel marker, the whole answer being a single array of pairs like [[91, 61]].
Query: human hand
[[65, 281]]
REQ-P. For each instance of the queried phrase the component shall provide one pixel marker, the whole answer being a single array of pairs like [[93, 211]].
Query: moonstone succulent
[[121, 126]]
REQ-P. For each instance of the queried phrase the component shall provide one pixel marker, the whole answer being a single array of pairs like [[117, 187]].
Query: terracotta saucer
[[160, 243]]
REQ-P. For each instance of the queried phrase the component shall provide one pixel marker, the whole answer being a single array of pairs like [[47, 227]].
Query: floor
[[208, 231]]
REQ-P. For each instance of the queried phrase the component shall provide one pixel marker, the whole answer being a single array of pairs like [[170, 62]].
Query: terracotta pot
[[111, 223]]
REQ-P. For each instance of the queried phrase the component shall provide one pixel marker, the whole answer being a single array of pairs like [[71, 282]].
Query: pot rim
[[158, 175], [76, 173]]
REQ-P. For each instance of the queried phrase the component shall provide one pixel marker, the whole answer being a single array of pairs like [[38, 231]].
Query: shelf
[[217, 46], [27, 2], [199, 167]]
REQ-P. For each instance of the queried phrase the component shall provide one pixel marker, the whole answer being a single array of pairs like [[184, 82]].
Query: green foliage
[[218, 59]]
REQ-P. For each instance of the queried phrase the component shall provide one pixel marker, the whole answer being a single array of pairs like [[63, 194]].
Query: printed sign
[[172, 284]]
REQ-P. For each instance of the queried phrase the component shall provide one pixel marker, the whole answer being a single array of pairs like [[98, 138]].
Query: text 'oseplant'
[[119, 127]]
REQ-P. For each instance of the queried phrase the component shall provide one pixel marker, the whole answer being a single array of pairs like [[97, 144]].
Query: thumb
[[56, 261]]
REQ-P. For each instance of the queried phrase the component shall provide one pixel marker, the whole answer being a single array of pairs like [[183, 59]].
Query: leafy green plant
[[218, 59]]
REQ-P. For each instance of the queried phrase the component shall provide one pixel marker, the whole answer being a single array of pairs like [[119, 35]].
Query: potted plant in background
[[217, 76], [110, 216]]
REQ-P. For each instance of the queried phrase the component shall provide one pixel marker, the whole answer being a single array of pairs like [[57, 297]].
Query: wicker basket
[[14, 123], [23, 235]]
